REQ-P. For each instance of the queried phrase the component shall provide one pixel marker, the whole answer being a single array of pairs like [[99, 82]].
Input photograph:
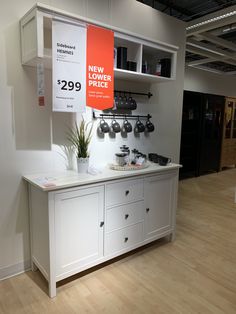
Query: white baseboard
[[12, 270]]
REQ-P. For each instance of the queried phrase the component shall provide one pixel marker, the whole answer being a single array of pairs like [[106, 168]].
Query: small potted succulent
[[80, 136]]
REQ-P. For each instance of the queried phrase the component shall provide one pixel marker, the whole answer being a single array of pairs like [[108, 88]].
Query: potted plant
[[80, 137]]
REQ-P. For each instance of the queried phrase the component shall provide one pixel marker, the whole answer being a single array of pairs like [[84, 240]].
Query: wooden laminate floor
[[195, 274]]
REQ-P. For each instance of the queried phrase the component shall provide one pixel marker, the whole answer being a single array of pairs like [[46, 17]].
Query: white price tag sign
[[68, 67]]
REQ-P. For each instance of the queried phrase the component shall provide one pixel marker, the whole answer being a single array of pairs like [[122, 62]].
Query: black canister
[[132, 66], [122, 58], [166, 67]]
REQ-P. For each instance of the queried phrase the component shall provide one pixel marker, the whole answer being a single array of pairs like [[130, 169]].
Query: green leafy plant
[[80, 136]]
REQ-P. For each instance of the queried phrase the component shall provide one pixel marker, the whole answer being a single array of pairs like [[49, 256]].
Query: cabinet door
[[78, 234], [159, 205]]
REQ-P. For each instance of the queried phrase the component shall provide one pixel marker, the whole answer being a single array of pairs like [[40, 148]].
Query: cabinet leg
[[172, 237], [52, 289]]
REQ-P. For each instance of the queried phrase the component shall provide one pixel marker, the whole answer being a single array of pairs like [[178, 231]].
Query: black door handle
[[101, 223]]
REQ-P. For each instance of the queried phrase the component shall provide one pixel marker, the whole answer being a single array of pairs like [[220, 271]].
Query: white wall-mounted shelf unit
[[36, 44]]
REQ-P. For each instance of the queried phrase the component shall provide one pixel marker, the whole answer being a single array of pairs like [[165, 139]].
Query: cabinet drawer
[[123, 192], [124, 215], [123, 239]]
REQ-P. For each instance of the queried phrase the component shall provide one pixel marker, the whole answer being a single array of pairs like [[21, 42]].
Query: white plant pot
[[82, 165]]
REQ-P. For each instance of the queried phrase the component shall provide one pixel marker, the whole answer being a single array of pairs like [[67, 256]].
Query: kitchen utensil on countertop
[[125, 149], [161, 160], [138, 157], [121, 159], [129, 167]]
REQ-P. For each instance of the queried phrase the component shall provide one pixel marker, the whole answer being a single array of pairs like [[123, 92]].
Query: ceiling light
[[214, 19]]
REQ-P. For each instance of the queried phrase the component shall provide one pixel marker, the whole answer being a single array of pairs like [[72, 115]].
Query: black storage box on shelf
[[165, 67], [132, 66], [122, 58], [144, 68]]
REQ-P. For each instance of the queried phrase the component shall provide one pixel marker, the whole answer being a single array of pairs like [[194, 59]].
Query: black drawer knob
[[126, 239], [101, 223], [147, 210], [127, 192], [126, 216]]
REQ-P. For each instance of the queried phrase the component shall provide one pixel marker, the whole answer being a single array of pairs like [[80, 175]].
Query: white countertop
[[52, 181]]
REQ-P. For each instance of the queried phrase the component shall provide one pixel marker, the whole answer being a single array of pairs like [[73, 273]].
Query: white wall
[[30, 134], [206, 82]]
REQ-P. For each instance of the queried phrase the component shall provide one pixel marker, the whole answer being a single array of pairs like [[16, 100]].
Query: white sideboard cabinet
[[79, 221], [36, 44]]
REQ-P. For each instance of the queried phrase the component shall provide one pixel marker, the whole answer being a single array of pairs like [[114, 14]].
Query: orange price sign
[[100, 72]]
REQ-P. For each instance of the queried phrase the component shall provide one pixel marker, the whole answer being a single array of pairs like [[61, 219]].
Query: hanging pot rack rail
[[149, 95], [120, 116]]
